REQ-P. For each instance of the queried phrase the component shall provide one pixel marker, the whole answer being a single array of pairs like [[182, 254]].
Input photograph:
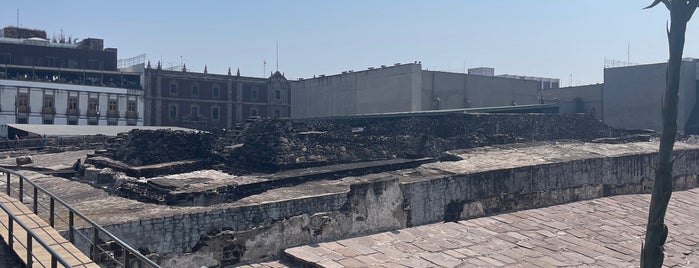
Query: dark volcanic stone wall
[[277, 145], [147, 147]]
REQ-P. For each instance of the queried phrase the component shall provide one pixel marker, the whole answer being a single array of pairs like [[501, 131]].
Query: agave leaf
[[656, 2]]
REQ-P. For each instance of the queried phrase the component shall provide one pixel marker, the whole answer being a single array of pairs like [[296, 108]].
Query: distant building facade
[[64, 82], [579, 99], [633, 96], [406, 87], [212, 101]]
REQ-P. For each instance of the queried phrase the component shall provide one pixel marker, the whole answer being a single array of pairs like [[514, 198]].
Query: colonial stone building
[[64, 82], [211, 101]]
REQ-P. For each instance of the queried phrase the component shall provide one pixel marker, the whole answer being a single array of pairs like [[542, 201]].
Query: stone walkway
[[605, 232]]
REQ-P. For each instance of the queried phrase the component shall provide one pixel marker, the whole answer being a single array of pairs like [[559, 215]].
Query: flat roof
[[84, 130]]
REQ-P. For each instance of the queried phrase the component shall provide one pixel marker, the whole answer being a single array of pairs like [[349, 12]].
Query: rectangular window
[[22, 120], [113, 105], [48, 101], [173, 89], [48, 121], [215, 92], [22, 100], [214, 113], [92, 106], [277, 94], [131, 106], [72, 122], [253, 112], [73, 103], [5, 58], [51, 61], [173, 112], [195, 112], [253, 94], [195, 90], [93, 64]]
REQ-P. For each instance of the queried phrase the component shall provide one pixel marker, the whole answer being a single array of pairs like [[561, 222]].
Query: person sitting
[[77, 166]]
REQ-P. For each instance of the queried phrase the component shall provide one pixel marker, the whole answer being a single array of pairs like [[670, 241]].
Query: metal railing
[[12, 219], [129, 254]]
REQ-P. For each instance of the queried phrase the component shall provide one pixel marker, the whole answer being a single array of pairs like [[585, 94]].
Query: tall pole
[[277, 55]]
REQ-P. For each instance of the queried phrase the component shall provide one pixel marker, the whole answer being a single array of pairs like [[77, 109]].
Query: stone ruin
[[265, 154], [271, 146]]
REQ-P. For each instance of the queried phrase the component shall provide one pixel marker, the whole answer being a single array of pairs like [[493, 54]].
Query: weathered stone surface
[[279, 145], [487, 181], [605, 232], [147, 147], [24, 160]]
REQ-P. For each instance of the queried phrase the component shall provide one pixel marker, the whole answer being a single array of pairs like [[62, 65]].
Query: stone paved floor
[[605, 232]]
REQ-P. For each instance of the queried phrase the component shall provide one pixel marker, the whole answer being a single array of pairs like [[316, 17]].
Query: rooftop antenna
[[277, 55], [571, 80], [628, 53], [264, 67]]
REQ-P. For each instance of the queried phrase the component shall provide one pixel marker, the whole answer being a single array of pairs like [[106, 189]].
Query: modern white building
[[64, 82], [28, 102]]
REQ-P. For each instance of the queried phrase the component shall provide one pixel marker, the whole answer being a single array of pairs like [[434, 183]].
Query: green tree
[[681, 12]]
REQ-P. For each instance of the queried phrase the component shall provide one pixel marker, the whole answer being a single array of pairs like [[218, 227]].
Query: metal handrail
[[55, 258], [97, 229]]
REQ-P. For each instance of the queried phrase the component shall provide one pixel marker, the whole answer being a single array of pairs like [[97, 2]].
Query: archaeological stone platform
[[488, 181]]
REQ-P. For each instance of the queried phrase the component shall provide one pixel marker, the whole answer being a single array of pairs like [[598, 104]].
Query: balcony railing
[[23, 109], [131, 114], [73, 112], [48, 110], [113, 113], [93, 113]]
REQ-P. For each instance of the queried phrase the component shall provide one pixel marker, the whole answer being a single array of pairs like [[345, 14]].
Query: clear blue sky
[[550, 38]]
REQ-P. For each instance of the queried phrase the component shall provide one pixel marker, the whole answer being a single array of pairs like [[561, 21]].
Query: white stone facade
[[68, 104]]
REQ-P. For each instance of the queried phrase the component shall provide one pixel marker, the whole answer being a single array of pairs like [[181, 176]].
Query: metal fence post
[[95, 237], [51, 211], [29, 249], [21, 190], [71, 230], [36, 194], [10, 235], [8, 183]]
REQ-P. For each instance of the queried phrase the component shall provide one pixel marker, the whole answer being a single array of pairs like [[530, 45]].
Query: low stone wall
[[386, 201]]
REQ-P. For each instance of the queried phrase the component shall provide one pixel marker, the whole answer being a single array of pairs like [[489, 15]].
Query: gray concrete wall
[[390, 89], [590, 96], [456, 90], [632, 95]]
